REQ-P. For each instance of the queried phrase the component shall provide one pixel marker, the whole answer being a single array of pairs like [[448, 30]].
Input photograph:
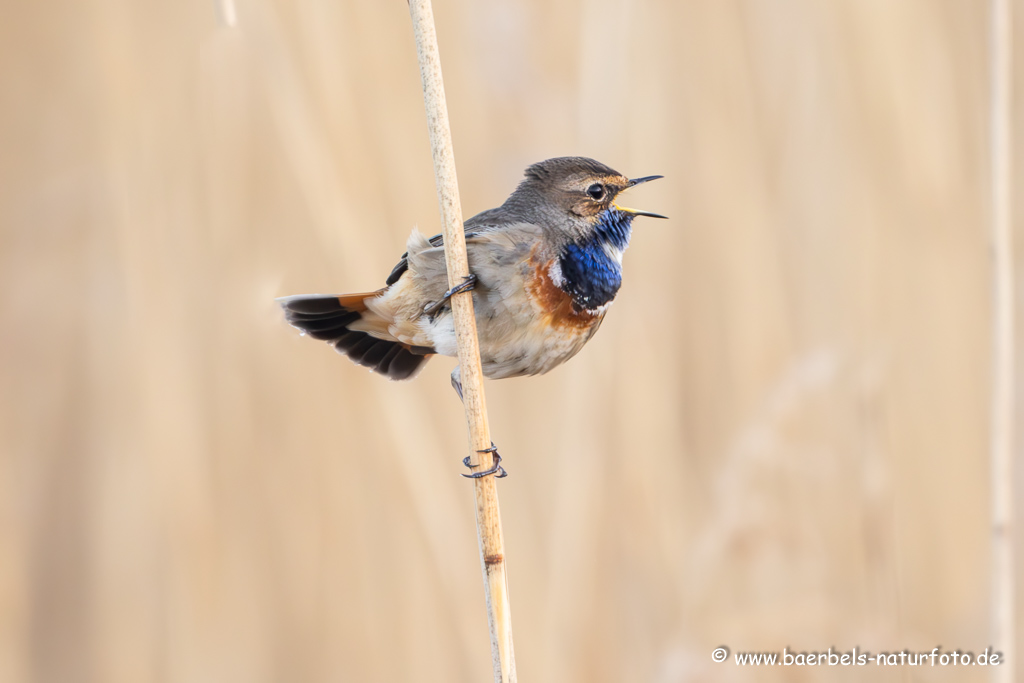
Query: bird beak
[[637, 212], [633, 183], [645, 179]]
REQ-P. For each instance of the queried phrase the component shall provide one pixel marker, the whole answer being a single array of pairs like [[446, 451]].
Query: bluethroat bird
[[545, 267]]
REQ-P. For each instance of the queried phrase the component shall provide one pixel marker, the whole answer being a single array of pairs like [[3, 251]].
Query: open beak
[[633, 183]]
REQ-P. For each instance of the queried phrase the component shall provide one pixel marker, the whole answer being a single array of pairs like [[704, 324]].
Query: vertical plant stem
[[488, 518], [1003, 600], [227, 13]]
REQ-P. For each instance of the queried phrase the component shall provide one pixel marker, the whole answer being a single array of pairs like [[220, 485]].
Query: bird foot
[[497, 470], [469, 282]]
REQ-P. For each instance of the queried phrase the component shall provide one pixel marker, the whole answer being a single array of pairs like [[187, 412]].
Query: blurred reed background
[[779, 436]]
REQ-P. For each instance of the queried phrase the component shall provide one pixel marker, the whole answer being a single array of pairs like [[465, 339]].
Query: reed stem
[[1001, 445], [488, 518]]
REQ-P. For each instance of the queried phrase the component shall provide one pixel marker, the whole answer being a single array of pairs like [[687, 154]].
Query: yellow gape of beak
[[636, 212]]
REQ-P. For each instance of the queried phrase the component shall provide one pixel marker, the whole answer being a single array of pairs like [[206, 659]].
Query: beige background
[[778, 437]]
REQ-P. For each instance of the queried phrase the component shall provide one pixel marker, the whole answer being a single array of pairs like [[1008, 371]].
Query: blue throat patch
[[592, 277]]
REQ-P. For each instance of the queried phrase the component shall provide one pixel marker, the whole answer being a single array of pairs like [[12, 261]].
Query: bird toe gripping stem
[[468, 283], [497, 470]]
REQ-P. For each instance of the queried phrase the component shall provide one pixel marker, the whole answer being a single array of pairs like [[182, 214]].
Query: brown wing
[[492, 218]]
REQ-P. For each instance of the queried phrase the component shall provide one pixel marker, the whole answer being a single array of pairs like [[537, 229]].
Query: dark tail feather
[[327, 317]]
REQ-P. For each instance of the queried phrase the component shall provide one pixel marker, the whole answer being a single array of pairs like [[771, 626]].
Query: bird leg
[[468, 283], [495, 469], [457, 385]]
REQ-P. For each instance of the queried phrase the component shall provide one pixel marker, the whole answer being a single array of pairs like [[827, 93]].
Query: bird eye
[[596, 191]]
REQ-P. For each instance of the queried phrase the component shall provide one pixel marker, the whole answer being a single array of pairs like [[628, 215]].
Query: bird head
[[574, 194]]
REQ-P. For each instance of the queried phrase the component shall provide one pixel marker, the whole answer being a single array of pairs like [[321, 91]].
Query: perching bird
[[545, 267]]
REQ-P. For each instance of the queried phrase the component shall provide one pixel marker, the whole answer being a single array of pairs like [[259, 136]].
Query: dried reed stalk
[[227, 13], [1001, 445], [488, 518]]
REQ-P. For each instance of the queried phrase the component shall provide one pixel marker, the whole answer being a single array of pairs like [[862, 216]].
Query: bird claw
[[468, 283], [497, 470]]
